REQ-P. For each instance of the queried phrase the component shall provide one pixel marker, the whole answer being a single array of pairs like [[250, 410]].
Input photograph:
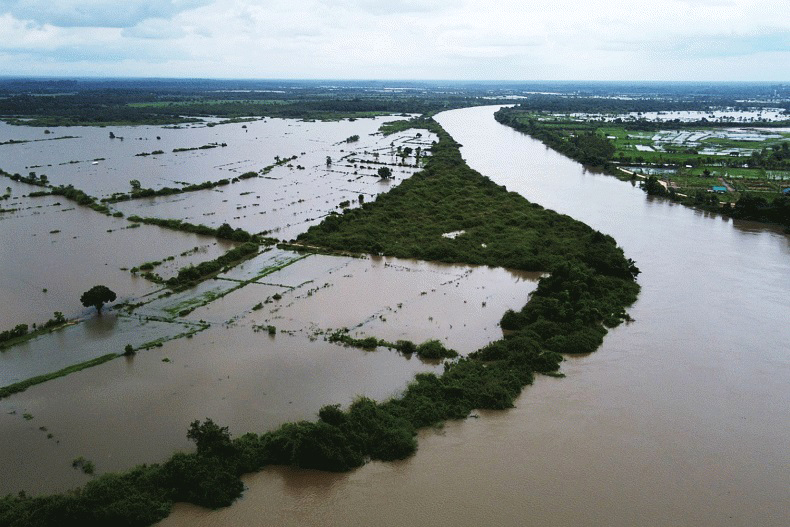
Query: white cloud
[[462, 39], [96, 13], [154, 28]]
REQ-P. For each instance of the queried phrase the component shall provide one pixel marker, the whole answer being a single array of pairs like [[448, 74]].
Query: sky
[[664, 40]]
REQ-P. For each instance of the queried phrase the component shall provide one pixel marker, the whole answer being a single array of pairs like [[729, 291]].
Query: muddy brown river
[[680, 418]]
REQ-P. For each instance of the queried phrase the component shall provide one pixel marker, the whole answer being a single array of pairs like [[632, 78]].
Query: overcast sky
[[399, 39]]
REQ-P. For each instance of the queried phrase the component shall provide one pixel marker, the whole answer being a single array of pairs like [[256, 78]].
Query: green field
[[689, 158]]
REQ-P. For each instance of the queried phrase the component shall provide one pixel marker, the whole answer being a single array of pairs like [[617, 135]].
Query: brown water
[[680, 418], [285, 201], [137, 410], [51, 251], [50, 243]]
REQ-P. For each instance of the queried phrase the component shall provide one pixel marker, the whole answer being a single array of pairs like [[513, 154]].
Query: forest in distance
[[587, 286], [50, 102]]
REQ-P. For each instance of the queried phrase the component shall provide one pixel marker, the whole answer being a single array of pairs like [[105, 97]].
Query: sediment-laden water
[[680, 418]]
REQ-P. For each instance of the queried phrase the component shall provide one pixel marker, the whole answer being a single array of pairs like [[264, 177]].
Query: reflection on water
[[680, 418], [53, 250], [100, 326]]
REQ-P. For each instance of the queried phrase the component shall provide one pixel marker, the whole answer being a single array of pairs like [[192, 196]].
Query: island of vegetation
[[588, 285]]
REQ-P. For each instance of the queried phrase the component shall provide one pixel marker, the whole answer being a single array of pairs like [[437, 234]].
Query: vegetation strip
[[224, 231], [21, 332], [589, 286], [21, 386], [139, 192], [192, 274], [206, 298], [430, 349]]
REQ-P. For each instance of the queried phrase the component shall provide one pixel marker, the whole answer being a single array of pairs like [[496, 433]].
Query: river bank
[[678, 419]]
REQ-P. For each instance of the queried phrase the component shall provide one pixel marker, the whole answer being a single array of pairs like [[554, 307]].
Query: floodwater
[[234, 371], [67, 154], [53, 250], [680, 418], [231, 369], [721, 115], [283, 201]]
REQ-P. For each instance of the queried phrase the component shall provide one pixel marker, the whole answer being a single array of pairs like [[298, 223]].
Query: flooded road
[[680, 418]]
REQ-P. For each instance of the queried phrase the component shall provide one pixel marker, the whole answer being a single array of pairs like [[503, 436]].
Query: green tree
[[653, 187], [97, 296], [385, 173], [210, 438]]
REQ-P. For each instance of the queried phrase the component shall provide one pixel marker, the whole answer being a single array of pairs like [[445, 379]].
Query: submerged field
[[256, 353], [54, 244], [55, 249]]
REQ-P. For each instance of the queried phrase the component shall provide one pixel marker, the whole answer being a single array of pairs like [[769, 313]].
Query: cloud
[[735, 45], [454, 39], [97, 13], [390, 7], [154, 28]]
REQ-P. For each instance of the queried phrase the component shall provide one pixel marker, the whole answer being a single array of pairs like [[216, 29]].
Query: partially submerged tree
[[385, 173], [97, 296]]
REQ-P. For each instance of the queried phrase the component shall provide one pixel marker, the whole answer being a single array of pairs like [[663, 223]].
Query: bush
[[433, 349], [406, 347]]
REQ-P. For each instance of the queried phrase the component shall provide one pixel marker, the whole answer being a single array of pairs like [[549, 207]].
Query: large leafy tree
[[97, 296]]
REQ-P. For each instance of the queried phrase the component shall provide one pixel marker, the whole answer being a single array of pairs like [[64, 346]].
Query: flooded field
[[247, 348], [53, 250], [304, 169], [237, 373], [680, 418], [718, 115]]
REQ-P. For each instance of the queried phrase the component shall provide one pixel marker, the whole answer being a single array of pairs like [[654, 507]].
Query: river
[[680, 418]]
